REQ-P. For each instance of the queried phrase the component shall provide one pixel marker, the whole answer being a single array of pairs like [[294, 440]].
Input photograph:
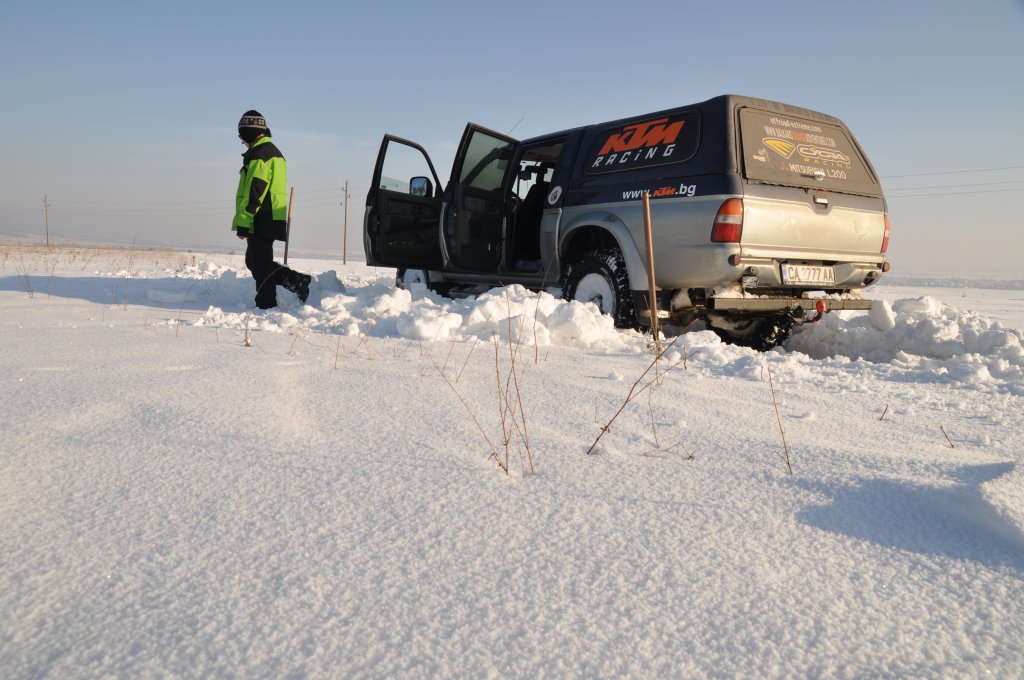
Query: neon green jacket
[[261, 202]]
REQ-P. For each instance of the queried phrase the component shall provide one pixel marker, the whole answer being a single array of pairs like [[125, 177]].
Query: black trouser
[[268, 274]]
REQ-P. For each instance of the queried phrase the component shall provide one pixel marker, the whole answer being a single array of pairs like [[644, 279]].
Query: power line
[[228, 203], [22, 211], [954, 193], [130, 214], [953, 172], [142, 205], [320, 203], [340, 190], [17, 203], [957, 186]]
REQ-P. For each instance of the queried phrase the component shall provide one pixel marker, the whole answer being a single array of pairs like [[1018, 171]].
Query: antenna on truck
[[516, 125]]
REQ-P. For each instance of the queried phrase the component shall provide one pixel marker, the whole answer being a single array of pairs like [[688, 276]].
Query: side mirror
[[421, 186]]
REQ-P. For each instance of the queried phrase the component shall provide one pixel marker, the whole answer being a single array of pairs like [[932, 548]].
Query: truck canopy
[[766, 141]]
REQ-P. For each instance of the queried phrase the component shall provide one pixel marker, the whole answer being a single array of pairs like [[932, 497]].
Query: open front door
[[401, 226], [477, 200]]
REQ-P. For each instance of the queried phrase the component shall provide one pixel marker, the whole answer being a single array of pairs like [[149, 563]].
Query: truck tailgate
[[825, 226]]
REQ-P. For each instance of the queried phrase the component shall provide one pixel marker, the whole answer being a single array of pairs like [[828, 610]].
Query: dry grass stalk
[[399, 350], [51, 264], [514, 375], [685, 455], [128, 272], [494, 451], [364, 338], [433, 340], [298, 337], [248, 340], [650, 411], [22, 269], [951, 445], [510, 407], [466, 362], [778, 418], [654, 431], [177, 321], [882, 417], [536, 311], [508, 385], [636, 390], [337, 352], [502, 409], [447, 358]]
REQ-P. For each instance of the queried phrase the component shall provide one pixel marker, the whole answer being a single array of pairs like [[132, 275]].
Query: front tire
[[406, 277], [600, 276]]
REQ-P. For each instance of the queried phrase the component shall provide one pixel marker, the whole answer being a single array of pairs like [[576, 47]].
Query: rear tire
[[600, 276], [759, 334]]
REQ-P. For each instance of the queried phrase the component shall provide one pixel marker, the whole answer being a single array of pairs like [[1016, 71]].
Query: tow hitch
[[820, 307]]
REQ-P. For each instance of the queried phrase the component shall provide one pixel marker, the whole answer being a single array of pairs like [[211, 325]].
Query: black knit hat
[[252, 125]]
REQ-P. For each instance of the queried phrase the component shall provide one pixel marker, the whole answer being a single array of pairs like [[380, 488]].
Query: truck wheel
[[405, 278], [599, 276], [759, 334]]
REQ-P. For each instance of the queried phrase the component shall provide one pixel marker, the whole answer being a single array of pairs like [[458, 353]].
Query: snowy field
[[384, 483]]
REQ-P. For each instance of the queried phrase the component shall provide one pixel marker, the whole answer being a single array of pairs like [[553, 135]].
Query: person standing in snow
[[261, 211]]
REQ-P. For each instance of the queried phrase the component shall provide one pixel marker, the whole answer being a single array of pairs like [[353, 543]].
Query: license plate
[[807, 275]]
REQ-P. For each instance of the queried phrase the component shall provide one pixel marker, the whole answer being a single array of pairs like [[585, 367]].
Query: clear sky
[[124, 114]]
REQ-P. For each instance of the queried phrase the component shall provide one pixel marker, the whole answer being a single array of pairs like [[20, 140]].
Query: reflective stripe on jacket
[[261, 202]]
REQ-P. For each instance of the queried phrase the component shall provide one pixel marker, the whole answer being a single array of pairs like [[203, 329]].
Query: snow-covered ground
[[193, 488]]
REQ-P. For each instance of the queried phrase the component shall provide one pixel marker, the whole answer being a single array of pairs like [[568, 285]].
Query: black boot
[[297, 283], [302, 290]]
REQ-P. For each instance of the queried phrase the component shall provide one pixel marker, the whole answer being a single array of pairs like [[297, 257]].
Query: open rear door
[[402, 223], [477, 200]]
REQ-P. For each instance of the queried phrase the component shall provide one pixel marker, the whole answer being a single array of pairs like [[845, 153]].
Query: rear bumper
[[764, 304], [746, 306]]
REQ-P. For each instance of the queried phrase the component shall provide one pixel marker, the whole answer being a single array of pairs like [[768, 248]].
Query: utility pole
[[288, 224], [344, 241], [46, 219]]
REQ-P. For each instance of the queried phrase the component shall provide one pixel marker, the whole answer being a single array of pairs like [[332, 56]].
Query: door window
[[485, 161], [402, 220], [400, 165]]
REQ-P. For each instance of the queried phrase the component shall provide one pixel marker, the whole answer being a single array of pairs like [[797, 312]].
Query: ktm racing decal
[[671, 139]]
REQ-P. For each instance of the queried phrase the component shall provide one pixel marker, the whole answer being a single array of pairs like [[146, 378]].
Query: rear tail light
[[728, 222], [885, 239]]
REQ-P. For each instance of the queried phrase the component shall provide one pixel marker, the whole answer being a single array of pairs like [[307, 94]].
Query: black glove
[[243, 232]]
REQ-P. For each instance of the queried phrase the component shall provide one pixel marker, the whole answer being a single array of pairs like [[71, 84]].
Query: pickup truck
[[764, 216]]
